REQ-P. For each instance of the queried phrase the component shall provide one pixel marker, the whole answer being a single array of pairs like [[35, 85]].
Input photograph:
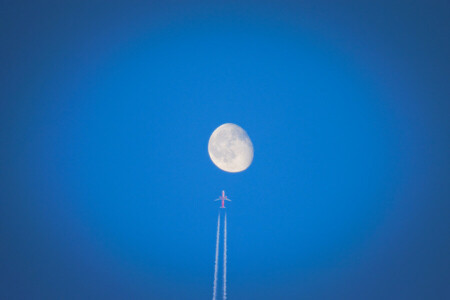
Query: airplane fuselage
[[222, 199]]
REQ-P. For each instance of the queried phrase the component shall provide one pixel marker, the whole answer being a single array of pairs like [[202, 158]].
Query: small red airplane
[[223, 198]]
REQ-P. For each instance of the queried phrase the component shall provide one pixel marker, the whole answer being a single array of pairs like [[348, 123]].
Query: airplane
[[223, 198]]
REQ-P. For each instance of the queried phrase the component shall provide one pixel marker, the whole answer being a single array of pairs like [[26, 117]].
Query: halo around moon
[[230, 148]]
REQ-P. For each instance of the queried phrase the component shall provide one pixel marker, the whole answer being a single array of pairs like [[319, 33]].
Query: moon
[[230, 148]]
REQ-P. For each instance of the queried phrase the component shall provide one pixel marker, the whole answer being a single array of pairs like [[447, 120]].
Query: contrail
[[225, 258], [217, 258]]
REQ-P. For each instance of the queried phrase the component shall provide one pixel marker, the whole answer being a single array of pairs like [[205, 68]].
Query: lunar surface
[[230, 148]]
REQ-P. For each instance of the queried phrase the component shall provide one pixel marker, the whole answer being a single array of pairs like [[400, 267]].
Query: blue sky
[[107, 185]]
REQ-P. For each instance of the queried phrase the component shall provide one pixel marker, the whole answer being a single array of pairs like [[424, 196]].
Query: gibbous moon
[[230, 148]]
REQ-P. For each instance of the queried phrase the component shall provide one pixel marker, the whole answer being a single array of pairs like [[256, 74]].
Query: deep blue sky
[[106, 184]]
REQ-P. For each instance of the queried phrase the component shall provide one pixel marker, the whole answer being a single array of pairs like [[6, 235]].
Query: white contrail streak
[[225, 258], [217, 258]]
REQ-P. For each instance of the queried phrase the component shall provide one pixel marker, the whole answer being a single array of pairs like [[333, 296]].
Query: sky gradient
[[107, 188]]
